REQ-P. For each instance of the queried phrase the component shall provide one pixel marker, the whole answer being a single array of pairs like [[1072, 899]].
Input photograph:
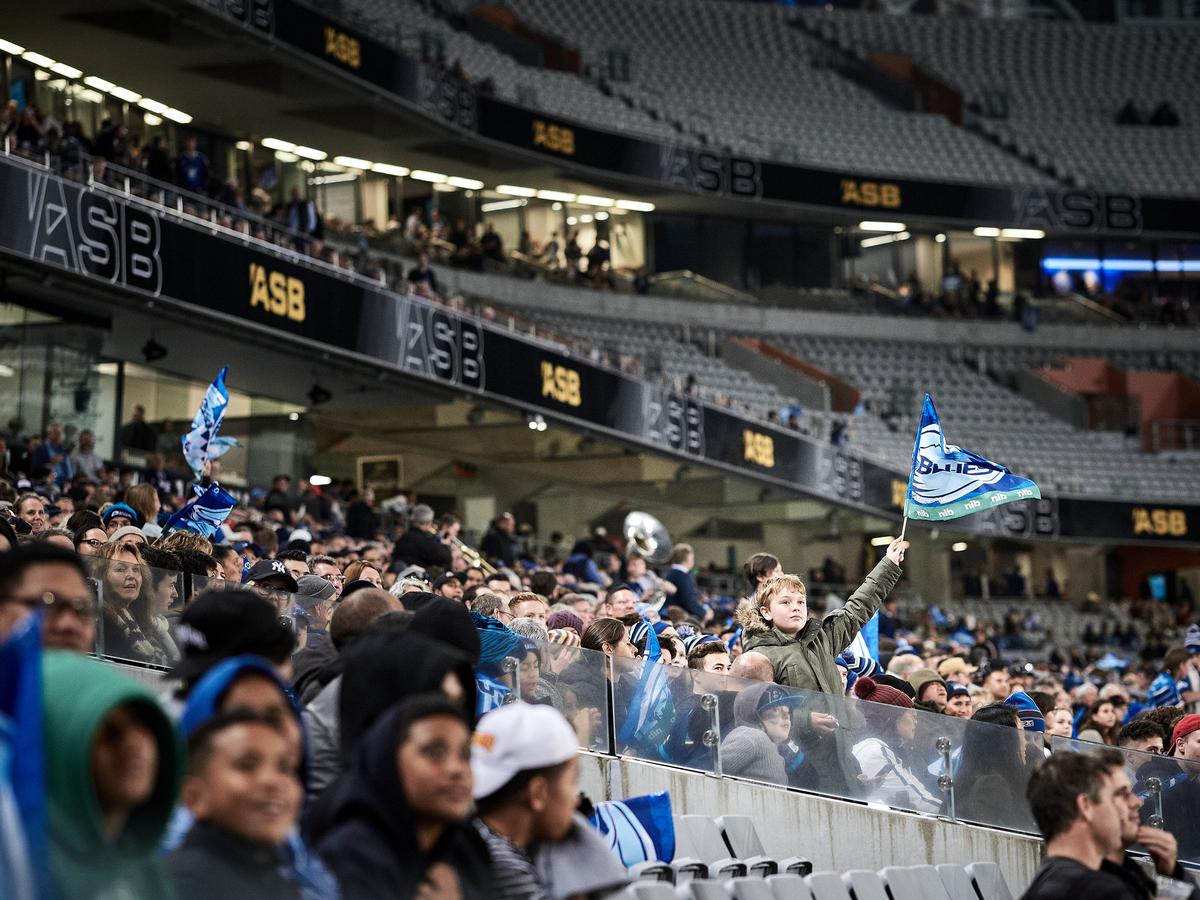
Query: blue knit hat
[[638, 631], [695, 640], [1027, 711], [1192, 640]]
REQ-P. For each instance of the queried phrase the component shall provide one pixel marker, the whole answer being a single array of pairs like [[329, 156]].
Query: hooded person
[[758, 747], [113, 769], [400, 822], [1028, 713], [891, 724], [449, 622]]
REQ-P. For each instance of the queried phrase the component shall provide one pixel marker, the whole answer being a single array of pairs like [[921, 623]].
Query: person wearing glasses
[[89, 540], [270, 579], [43, 576], [326, 567]]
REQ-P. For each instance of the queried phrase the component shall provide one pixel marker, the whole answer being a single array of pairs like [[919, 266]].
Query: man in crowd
[[422, 279], [84, 459], [44, 576], [419, 545], [683, 560], [997, 684], [499, 545]]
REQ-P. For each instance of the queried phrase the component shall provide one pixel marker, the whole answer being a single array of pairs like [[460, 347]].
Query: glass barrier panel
[[572, 680], [1167, 787], [136, 610]]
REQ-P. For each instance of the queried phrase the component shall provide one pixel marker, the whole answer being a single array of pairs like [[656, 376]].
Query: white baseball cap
[[515, 738]]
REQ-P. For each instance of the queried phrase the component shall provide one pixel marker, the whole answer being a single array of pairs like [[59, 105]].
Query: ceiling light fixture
[[467, 184], [10, 48], [37, 59], [125, 94], [277, 144], [352, 162], [590, 200], [66, 71], [986, 231], [153, 105], [423, 175], [100, 84], [309, 152], [881, 226], [515, 191], [389, 169], [635, 205], [561, 196]]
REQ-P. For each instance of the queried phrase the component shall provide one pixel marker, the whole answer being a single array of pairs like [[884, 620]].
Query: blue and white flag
[[947, 482], [198, 443], [203, 515], [866, 643], [489, 694], [218, 447], [639, 829], [24, 835], [651, 712]]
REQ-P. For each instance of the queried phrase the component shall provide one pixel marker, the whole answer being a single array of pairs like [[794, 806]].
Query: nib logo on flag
[[948, 482]]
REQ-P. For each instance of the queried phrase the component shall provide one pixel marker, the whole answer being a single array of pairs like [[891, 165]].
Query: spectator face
[[500, 586], [624, 648], [1060, 723], [231, 567], [1105, 716], [1107, 818], [166, 592], [561, 797], [124, 763], [295, 567], [788, 611], [1146, 745], [451, 590], [959, 707], [122, 580], [333, 575], [33, 511], [69, 620], [530, 609], [434, 764], [119, 520], [635, 568], [248, 786], [273, 592], [997, 683], [583, 609], [1188, 747], [777, 723], [529, 673], [376, 557], [719, 663], [935, 693], [474, 577], [621, 604]]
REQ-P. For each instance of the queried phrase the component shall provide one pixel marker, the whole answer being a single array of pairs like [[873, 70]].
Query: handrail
[[717, 287], [1096, 308]]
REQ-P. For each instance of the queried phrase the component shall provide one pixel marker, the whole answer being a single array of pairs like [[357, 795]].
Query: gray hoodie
[[747, 751]]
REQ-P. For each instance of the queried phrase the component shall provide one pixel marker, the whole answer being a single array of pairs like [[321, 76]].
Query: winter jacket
[[806, 660], [79, 693]]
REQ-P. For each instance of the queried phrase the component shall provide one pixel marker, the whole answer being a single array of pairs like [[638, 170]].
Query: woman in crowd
[[361, 570], [1059, 723], [144, 499], [891, 729], [120, 575], [1101, 724], [989, 786], [159, 597], [401, 819], [31, 509], [90, 539]]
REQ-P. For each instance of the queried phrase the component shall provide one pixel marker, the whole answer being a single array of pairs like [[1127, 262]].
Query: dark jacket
[[418, 547], [212, 862], [372, 847], [361, 521], [685, 593], [497, 544], [806, 660]]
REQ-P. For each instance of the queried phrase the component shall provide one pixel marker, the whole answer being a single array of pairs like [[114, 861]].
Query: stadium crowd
[[336, 716]]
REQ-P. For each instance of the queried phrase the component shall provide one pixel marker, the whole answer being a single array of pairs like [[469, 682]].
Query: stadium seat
[[989, 881], [956, 881], [688, 868], [827, 886], [789, 887], [750, 888], [929, 882], [795, 865], [652, 871], [649, 890], [699, 837], [704, 890], [867, 885], [743, 842]]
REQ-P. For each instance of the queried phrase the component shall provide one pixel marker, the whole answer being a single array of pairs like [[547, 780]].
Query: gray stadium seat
[[750, 889], [989, 881], [957, 882], [827, 886], [795, 865], [652, 871], [650, 890], [789, 887], [929, 883], [741, 837], [705, 890], [867, 885]]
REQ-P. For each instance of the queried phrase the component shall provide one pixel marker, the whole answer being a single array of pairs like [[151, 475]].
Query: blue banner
[[651, 711], [947, 482], [639, 829], [203, 515], [198, 443], [24, 837]]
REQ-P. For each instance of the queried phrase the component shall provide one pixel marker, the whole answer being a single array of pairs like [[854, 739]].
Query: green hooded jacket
[[806, 660], [78, 694]]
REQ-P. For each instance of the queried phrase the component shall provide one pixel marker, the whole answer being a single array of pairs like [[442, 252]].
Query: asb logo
[[870, 193], [562, 384], [758, 449], [277, 293], [1160, 522]]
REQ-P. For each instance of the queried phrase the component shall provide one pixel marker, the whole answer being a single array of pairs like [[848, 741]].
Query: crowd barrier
[[887, 756]]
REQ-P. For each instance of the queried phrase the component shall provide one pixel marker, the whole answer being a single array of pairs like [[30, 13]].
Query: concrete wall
[[834, 834]]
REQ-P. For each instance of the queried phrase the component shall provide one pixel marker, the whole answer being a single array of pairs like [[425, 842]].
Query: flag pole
[[903, 527]]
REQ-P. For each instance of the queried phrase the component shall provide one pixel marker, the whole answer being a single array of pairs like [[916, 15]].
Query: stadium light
[[352, 162], [285, 157], [90, 96], [277, 144], [1029, 234], [882, 239], [151, 119], [940, 238], [958, 546], [571, 220], [389, 169], [585, 219], [986, 231], [423, 175], [514, 191], [245, 146], [635, 205], [100, 84], [310, 153], [882, 540], [1086, 264], [601, 216], [153, 106], [176, 115], [443, 187], [894, 227], [10, 48], [319, 480], [497, 205], [560, 196], [590, 200], [66, 71], [37, 59], [125, 94], [467, 184]]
